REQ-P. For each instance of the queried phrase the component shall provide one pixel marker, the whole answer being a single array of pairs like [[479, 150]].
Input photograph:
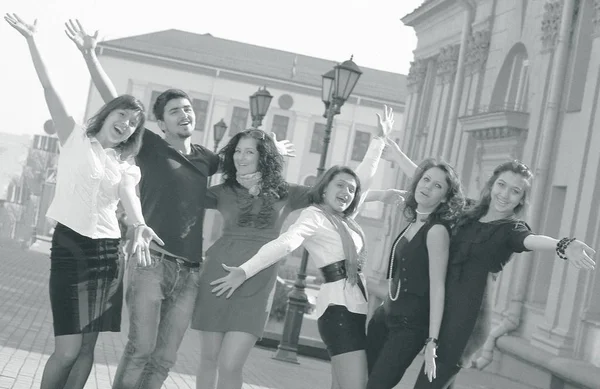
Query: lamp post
[[219, 130], [259, 105], [337, 85]]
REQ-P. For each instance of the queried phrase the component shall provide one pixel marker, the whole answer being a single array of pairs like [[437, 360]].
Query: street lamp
[[219, 130], [259, 105], [337, 85]]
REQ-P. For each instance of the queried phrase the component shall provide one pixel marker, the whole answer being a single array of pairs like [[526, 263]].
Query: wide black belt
[[337, 271], [177, 260]]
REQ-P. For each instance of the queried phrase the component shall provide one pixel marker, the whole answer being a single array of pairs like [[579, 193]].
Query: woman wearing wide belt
[[337, 245]]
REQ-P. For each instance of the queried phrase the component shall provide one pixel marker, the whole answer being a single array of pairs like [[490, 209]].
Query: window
[[239, 120], [201, 111], [280, 126], [360, 146], [153, 98], [316, 143]]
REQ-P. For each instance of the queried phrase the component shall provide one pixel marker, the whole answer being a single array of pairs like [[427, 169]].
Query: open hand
[[25, 29], [140, 244], [230, 282], [77, 34], [580, 255], [430, 356], [284, 147], [386, 124]]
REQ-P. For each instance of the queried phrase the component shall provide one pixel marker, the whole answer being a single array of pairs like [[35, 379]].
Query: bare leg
[[60, 363], [210, 347], [349, 370], [235, 349]]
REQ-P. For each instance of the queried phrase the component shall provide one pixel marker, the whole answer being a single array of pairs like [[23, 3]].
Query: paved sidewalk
[[26, 341]]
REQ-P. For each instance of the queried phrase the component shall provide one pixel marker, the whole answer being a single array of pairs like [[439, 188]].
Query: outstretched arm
[[63, 122], [306, 226], [577, 252], [87, 45]]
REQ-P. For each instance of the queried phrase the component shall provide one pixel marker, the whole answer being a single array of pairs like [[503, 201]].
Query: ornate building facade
[[495, 80]]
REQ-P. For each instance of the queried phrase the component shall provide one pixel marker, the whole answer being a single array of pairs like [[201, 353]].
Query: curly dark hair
[[273, 185], [455, 201]]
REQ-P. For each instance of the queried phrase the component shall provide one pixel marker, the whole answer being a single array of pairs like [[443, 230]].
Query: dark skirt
[[86, 283], [342, 331]]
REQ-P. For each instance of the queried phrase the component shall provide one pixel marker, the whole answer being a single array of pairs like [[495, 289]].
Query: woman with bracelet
[[95, 172], [483, 242], [411, 314]]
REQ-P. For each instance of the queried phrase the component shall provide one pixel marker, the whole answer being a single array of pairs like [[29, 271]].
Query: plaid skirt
[[86, 283]]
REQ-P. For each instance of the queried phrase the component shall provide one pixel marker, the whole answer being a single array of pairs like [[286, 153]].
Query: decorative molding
[[447, 60], [551, 23], [596, 17], [416, 74], [478, 45], [492, 133]]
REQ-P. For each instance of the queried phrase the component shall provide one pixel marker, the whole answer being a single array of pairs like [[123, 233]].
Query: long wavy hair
[[270, 163], [315, 196], [131, 146], [481, 207], [448, 210]]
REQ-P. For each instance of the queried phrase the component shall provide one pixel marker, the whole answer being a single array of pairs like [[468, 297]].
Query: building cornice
[[233, 75], [427, 10]]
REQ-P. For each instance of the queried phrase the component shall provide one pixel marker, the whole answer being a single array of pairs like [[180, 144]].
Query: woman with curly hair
[[483, 241], [413, 307], [254, 201]]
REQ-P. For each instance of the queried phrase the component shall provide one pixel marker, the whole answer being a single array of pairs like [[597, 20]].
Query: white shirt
[[87, 186], [324, 244], [322, 241]]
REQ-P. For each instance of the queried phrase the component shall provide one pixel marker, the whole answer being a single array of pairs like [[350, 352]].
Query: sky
[[371, 30]]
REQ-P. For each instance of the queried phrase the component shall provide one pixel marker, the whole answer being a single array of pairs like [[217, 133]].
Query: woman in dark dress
[[482, 244], [411, 314]]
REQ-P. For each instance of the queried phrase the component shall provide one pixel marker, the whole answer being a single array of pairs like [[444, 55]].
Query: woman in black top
[[411, 314], [483, 242]]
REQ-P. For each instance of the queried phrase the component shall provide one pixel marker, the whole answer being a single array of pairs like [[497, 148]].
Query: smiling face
[[118, 126], [179, 118], [431, 190], [340, 192], [245, 156], [507, 193]]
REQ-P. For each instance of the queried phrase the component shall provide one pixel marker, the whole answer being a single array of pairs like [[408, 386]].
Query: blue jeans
[[160, 300]]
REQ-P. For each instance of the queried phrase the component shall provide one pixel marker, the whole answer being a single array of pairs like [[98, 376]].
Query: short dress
[[86, 272], [247, 309], [476, 250]]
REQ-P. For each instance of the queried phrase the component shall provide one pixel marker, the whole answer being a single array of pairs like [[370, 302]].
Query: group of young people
[[440, 271]]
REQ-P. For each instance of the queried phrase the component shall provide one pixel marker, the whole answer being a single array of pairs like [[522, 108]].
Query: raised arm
[[368, 166], [394, 153], [87, 45], [306, 226], [63, 122], [438, 244]]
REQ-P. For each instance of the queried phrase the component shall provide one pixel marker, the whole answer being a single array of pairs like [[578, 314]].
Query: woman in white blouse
[[337, 245], [95, 172]]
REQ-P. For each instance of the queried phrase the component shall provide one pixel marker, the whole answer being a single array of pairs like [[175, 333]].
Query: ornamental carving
[[446, 62], [496, 133], [596, 16], [551, 23], [478, 45], [416, 74]]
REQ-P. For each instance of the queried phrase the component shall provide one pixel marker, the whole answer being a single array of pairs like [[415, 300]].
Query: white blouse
[[87, 186], [324, 244]]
